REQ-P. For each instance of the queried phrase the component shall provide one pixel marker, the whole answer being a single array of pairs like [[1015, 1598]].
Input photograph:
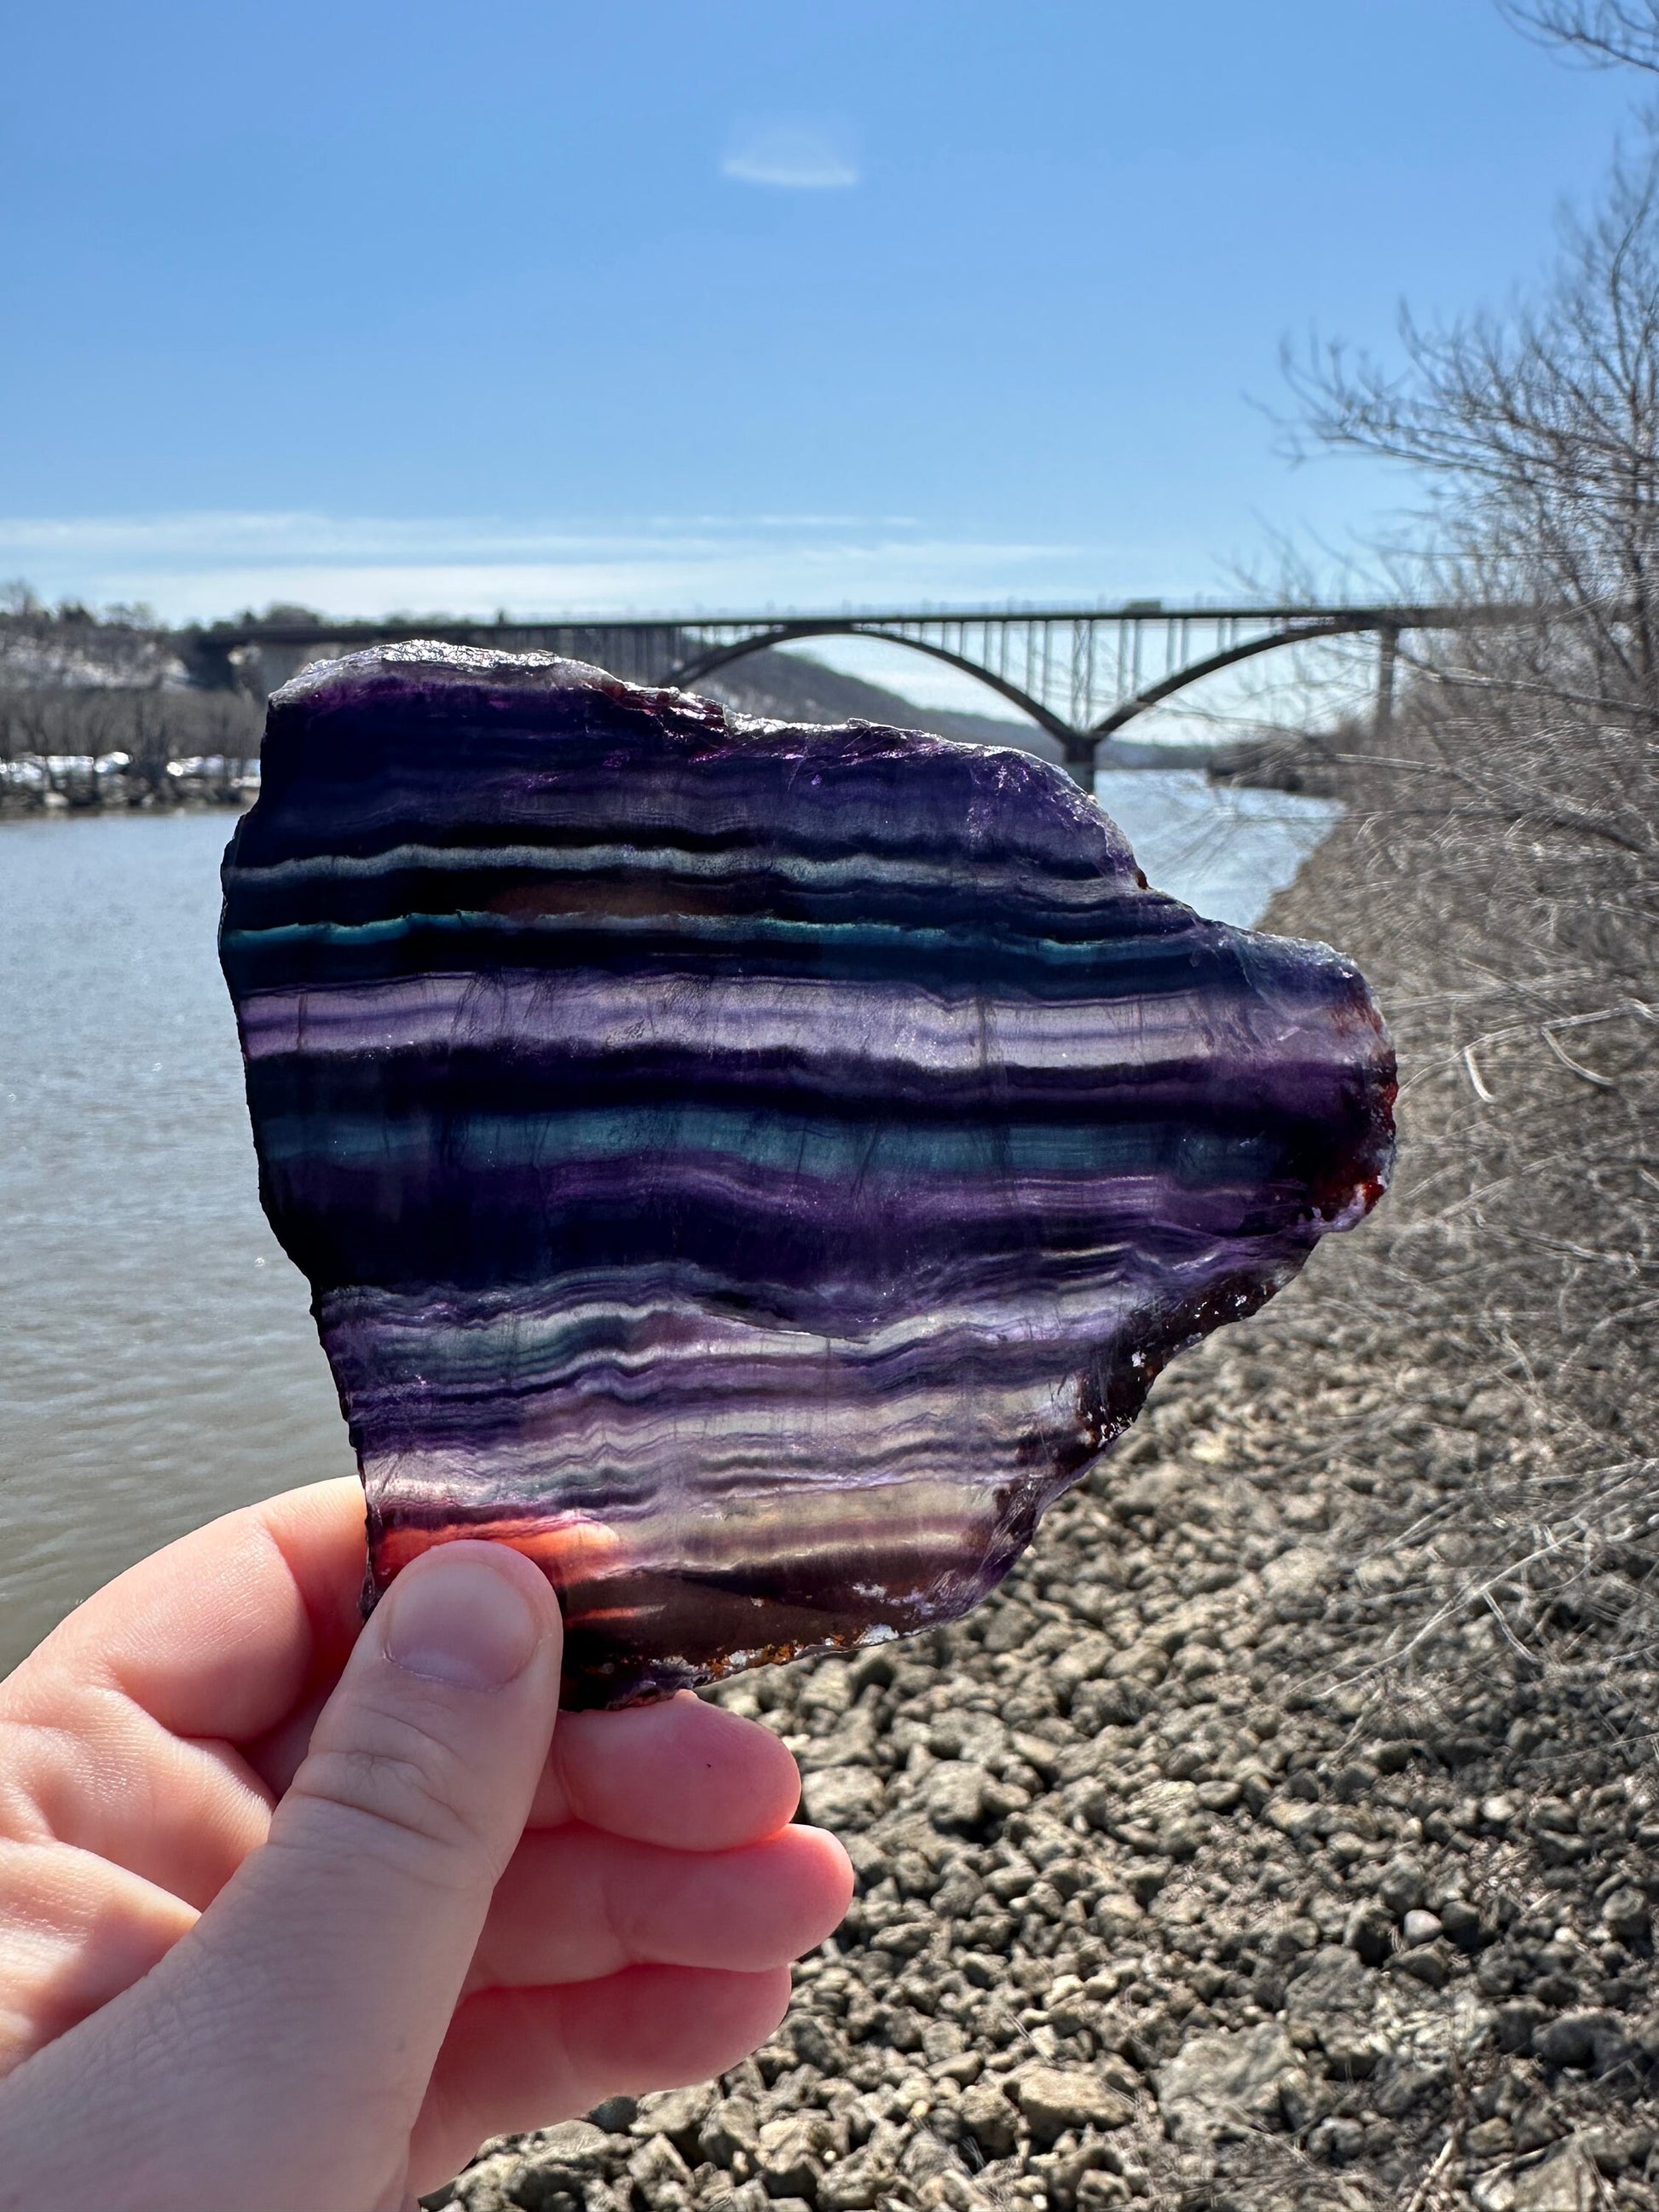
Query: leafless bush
[[1499, 873]]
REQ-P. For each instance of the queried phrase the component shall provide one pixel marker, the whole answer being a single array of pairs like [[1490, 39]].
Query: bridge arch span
[[1079, 745], [722, 656], [1313, 632]]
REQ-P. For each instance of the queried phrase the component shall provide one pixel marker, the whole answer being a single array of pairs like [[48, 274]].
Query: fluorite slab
[[751, 1170]]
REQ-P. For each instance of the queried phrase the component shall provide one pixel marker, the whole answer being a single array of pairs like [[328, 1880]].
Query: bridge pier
[[1080, 760], [1388, 655]]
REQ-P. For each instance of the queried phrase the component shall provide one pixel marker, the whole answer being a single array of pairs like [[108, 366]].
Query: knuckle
[[401, 1783]]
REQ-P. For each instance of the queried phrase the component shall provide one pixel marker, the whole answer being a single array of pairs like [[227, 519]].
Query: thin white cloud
[[200, 567], [794, 156], [197, 567]]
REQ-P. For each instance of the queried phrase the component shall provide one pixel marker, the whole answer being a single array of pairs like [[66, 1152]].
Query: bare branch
[[1606, 34]]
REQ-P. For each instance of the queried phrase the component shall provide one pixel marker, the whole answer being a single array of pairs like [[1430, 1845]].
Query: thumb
[[347, 1938]]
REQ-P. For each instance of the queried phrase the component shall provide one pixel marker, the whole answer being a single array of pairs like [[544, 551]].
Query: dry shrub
[[1498, 874]]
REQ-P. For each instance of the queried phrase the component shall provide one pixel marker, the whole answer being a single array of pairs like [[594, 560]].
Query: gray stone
[[1535, 2126], [1489, 2139], [731, 2129], [1580, 2040], [925, 2159], [1337, 2139], [844, 1797], [1296, 1576], [791, 2155], [1626, 1915], [1087, 1656], [1297, 2099], [1350, 2053], [1224, 2083], [1054, 2098], [953, 1796], [854, 2184], [677, 2114], [1404, 2086], [1145, 1878], [1370, 1933], [540, 2185], [816, 2043], [485, 2185], [1332, 1983], [1562, 2181], [583, 2144], [616, 2114], [1517, 2022], [1424, 1962], [1612, 2151], [1420, 1927], [1462, 1923], [1008, 1627], [1294, 1818], [660, 2173], [1400, 1888], [989, 2117], [1098, 2191]]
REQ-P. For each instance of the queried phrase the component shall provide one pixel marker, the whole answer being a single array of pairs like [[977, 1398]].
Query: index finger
[[223, 1633], [681, 1773]]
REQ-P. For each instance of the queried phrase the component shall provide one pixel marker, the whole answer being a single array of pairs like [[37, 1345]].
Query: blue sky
[[664, 304]]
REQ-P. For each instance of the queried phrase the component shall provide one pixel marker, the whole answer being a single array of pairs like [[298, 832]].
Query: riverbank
[[1162, 1898], [22, 802], [1260, 1845]]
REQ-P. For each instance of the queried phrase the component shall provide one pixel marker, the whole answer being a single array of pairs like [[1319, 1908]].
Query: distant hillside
[[795, 687]]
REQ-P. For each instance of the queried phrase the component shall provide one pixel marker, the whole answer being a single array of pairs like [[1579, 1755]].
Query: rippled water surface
[[159, 1361]]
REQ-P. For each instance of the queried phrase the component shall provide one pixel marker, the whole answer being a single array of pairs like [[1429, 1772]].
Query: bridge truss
[[1081, 675]]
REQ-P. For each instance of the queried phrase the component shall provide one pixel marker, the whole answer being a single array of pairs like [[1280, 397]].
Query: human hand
[[295, 1911]]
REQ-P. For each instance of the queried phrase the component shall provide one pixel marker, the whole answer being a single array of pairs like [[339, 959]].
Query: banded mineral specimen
[[752, 1170]]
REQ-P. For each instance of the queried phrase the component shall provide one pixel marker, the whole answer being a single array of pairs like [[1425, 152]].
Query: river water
[[159, 1361]]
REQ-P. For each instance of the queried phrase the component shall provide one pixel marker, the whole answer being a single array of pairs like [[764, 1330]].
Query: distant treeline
[[98, 710]]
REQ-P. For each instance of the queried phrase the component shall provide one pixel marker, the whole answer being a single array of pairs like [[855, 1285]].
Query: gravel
[[1170, 1891], [1160, 1898]]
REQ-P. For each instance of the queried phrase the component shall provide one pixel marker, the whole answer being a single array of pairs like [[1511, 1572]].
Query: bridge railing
[[1081, 674]]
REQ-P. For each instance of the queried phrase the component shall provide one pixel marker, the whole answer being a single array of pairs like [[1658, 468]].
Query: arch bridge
[[1081, 675]]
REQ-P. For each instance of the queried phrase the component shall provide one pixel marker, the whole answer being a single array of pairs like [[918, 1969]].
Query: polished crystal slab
[[752, 1170]]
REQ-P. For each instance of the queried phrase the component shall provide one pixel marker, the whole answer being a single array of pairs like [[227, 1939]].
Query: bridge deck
[[1079, 674]]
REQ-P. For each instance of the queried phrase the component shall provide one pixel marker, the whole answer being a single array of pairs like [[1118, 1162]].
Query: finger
[[521, 2059], [74, 1932], [576, 1904], [114, 1745], [328, 1969], [223, 1632], [86, 1768], [277, 1756], [682, 1773]]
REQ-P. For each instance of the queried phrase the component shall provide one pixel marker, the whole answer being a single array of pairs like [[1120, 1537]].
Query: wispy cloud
[[195, 566], [791, 154], [198, 566]]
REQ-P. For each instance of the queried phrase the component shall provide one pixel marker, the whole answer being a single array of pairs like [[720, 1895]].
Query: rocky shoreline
[[1159, 1900], [1234, 1857]]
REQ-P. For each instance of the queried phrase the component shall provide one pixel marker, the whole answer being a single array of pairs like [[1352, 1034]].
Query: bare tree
[[1499, 871], [1605, 33]]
